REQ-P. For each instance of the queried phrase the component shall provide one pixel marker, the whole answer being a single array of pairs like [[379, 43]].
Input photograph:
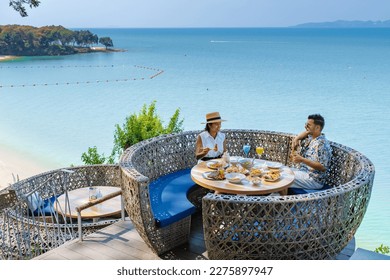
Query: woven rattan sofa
[[310, 226], [25, 233], [316, 225]]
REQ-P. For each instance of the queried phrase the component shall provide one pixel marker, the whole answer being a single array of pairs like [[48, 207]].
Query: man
[[314, 157]]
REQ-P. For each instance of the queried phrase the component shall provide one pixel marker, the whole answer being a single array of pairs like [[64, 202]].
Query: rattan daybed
[[311, 226]]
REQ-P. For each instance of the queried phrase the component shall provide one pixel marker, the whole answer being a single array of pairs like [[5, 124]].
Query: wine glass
[[259, 151], [246, 148]]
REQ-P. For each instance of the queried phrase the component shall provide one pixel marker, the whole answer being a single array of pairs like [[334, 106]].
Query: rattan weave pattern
[[312, 226], [143, 163], [23, 235]]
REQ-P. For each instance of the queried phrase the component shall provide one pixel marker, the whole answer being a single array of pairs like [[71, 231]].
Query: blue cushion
[[305, 191], [168, 197], [46, 207]]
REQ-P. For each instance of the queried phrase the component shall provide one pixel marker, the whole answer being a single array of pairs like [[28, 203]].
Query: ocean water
[[268, 79]]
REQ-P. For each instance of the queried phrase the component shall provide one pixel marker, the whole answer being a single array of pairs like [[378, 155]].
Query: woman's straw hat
[[213, 118]]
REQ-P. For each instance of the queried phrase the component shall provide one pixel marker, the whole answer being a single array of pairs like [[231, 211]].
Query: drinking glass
[[246, 148], [259, 151]]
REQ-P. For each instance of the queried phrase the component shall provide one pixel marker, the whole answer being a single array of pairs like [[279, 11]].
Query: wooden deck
[[121, 241]]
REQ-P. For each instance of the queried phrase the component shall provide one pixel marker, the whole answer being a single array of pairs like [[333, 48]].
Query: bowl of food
[[256, 181], [256, 172], [247, 163], [235, 177], [234, 160]]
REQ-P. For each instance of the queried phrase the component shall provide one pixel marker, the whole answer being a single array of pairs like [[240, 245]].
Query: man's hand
[[296, 158]]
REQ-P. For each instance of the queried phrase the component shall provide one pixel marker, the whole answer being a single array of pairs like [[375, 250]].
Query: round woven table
[[78, 197], [245, 187]]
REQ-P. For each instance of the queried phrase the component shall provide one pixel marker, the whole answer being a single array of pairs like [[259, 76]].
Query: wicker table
[[77, 197], [245, 187]]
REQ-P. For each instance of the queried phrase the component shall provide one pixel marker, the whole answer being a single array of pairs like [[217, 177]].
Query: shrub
[[92, 157], [383, 249], [137, 127]]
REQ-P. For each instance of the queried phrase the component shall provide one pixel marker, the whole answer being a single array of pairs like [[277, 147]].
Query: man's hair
[[318, 120]]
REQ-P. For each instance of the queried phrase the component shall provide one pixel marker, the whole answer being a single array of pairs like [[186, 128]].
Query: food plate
[[212, 175], [247, 163], [235, 177], [274, 165], [271, 180], [237, 169], [272, 176], [213, 164]]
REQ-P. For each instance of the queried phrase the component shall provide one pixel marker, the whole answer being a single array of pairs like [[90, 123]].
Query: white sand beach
[[7, 57], [12, 162]]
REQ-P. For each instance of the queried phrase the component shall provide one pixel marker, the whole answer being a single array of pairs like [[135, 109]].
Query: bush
[[93, 157], [145, 125], [383, 249], [137, 127]]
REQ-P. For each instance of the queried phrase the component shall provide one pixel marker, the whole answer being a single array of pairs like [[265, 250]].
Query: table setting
[[243, 175]]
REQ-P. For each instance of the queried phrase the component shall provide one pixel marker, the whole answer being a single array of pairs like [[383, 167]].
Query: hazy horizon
[[189, 14]]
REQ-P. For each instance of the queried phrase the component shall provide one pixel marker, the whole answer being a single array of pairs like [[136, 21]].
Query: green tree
[[106, 41], [47, 40], [19, 5], [93, 157], [137, 127], [145, 125]]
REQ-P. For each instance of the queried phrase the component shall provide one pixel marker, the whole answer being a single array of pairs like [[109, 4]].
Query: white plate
[[270, 180], [274, 165], [206, 175], [210, 164], [235, 177], [236, 169]]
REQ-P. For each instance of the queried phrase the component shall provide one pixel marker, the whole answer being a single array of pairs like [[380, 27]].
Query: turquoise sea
[[269, 79]]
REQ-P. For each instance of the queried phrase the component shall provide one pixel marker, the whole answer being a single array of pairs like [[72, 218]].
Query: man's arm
[[298, 138], [313, 164]]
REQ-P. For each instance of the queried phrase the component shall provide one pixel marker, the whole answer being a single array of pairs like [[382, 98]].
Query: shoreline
[[14, 164], [8, 57], [5, 58]]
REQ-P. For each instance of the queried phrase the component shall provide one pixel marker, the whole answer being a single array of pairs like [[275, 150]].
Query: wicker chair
[[310, 226], [24, 234], [143, 163]]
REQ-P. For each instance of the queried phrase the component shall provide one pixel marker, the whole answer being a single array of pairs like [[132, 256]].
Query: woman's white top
[[209, 142]]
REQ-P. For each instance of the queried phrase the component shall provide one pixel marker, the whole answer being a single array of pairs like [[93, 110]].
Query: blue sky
[[191, 13]]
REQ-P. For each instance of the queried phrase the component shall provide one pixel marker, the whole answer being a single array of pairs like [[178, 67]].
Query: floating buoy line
[[157, 73]]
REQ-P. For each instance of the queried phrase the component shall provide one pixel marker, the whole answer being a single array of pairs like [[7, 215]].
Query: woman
[[210, 144]]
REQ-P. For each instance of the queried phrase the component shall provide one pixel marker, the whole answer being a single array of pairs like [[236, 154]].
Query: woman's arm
[[199, 150]]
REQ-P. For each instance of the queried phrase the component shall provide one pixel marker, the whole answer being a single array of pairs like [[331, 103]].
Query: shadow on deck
[[121, 241]]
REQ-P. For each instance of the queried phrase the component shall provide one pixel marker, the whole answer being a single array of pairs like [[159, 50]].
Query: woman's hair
[[207, 127]]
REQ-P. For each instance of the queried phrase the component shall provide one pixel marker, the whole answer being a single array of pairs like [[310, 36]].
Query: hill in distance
[[345, 24]]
